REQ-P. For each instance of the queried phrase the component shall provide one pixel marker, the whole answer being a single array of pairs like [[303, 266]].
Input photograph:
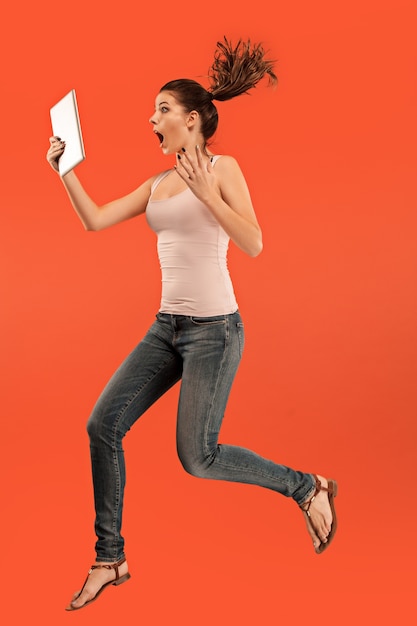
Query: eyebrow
[[163, 102]]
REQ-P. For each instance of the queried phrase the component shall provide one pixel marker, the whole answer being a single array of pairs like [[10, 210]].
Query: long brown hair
[[235, 70]]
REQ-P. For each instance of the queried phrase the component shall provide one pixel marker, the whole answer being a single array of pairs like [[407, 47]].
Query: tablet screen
[[66, 125]]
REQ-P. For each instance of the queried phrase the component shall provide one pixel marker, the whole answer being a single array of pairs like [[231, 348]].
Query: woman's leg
[[147, 373], [211, 349], [211, 354]]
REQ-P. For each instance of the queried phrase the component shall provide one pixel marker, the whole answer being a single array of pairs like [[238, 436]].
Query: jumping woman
[[195, 207]]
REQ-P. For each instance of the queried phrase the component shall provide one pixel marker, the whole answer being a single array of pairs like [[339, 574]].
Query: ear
[[192, 119]]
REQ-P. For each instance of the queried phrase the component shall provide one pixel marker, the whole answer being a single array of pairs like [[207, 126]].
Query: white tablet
[[66, 125]]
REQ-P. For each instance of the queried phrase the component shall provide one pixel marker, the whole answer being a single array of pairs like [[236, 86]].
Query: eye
[[164, 109]]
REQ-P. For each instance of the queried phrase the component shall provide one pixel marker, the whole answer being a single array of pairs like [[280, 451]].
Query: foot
[[96, 580], [316, 541], [318, 515]]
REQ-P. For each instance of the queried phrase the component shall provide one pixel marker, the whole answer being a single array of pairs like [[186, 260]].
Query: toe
[[78, 601], [314, 537], [80, 598]]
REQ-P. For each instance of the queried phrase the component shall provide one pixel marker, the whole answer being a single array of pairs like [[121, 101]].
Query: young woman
[[195, 208]]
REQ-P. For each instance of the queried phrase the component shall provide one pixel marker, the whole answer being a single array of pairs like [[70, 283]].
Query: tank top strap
[[214, 158], [158, 179]]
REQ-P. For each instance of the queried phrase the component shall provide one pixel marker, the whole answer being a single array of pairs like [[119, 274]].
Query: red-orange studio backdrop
[[327, 383]]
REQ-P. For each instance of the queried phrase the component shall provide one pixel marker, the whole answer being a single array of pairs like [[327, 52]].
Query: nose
[[152, 119]]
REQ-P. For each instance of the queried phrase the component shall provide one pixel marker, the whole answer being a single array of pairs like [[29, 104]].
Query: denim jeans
[[204, 353]]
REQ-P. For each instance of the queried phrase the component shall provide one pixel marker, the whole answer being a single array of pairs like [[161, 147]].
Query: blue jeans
[[204, 353]]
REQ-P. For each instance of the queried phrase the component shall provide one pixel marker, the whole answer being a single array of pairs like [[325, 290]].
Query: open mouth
[[160, 137]]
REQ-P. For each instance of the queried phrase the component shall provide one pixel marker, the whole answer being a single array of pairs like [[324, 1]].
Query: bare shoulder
[[226, 163], [228, 172], [143, 192], [147, 184]]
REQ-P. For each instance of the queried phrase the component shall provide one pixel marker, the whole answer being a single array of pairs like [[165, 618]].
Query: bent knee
[[195, 465], [98, 426], [93, 426]]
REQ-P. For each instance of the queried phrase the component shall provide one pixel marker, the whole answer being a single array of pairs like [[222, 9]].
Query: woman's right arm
[[92, 216]]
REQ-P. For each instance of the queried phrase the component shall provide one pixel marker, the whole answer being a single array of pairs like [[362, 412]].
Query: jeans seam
[[219, 371]]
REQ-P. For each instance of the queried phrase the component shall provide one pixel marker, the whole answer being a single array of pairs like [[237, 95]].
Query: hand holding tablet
[[66, 128]]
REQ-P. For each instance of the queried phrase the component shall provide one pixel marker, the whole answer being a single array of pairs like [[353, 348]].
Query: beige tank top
[[192, 249]]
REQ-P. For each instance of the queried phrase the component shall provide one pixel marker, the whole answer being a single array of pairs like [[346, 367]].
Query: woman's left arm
[[226, 195]]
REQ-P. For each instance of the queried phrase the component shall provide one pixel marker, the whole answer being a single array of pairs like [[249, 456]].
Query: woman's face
[[171, 123]]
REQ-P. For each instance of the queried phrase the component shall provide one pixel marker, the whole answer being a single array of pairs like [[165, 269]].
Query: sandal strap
[[114, 566], [319, 487]]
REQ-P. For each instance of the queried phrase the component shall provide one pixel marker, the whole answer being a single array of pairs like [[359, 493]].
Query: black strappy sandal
[[332, 493], [117, 581]]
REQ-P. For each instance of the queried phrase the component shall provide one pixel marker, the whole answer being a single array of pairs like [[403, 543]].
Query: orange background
[[328, 381]]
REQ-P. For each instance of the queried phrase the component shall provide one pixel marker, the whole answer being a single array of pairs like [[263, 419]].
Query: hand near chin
[[198, 174]]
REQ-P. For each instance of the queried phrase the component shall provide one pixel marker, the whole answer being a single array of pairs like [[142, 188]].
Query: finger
[[58, 149], [54, 139], [184, 165], [199, 156], [181, 172], [189, 159], [54, 154]]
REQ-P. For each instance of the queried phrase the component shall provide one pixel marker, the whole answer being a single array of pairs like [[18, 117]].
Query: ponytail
[[238, 69], [235, 70]]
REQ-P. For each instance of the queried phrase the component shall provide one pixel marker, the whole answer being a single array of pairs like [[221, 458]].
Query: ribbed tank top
[[192, 250]]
